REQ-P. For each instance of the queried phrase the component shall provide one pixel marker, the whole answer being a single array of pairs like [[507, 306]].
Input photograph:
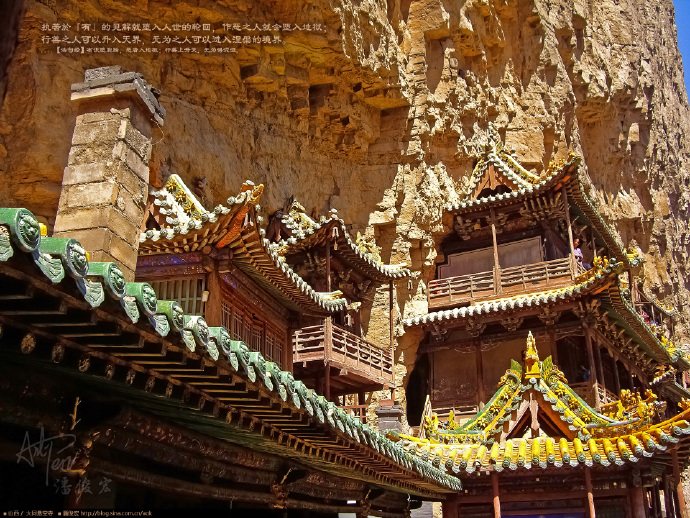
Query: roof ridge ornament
[[532, 359]]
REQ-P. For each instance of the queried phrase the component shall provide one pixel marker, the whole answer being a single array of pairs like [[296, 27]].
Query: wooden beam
[[495, 491], [590, 496]]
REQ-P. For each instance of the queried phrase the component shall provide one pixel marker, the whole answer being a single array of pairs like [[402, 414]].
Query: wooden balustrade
[[453, 291], [342, 349], [358, 411], [586, 390]]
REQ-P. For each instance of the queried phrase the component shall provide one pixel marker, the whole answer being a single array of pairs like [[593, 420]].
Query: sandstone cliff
[[383, 115]]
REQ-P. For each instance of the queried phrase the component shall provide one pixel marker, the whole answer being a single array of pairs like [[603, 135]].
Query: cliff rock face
[[383, 115]]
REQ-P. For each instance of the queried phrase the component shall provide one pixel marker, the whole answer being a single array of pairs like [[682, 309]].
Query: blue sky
[[683, 23]]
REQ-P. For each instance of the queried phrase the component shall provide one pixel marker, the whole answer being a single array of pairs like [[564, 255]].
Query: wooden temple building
[[509, 266], [295, 298], [157, 363]]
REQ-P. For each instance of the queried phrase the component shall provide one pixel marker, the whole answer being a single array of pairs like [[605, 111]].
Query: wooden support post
[[390, 309], [678, 485], [592, 365], [553, 343], [600, 369], [480, 374], [668, 496], [327, 382], [637, 504], [497, 267], [328, 264], [616, 376], [497, 500], [566, 209], [590, 495], [449, 507], [594, 243], [657, 500]]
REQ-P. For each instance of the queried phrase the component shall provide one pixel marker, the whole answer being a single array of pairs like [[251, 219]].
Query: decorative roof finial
[[531, 358]]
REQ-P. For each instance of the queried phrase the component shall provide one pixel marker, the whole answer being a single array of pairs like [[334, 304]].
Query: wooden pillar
[[678, 485], [600, 369], [616, 378], [328, 265], [668, 496], [594, 243], [328, 347], [327, 382], [590, 495], [637, 504], [497, 500], [390, 309], [450, 507], [480, 374], [553, 343], [497, 267], [593, 378], [566, 209], [656, 497]]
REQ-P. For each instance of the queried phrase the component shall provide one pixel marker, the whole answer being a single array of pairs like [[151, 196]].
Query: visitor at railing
[[577, 242]]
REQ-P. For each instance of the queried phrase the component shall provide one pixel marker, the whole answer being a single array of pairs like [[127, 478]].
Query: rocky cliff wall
[[383, 114]]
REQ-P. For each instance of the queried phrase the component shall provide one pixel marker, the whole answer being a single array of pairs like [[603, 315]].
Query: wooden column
[[594, 243], [390, 309], [616, 378], [554, 344], [449, 507], [637, 504], [600, 369], [328, 347], [590, 495], [497, 267], [480, 374], [678, 485], [668, 496], [497, 500], [327, 382], [328, 264], [566, 209], [593, 378]]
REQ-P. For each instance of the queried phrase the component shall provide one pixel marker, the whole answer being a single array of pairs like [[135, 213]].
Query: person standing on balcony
[[577, 242]]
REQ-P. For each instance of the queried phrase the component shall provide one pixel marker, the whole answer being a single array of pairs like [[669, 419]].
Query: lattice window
[[188, 292]]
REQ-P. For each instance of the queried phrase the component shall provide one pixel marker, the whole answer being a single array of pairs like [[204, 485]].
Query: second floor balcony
[[337, 362], [502, 282]]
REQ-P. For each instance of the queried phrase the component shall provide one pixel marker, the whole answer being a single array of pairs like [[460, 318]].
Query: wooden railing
[[358, 411], [340, 348], [453, 291], [586, 390]]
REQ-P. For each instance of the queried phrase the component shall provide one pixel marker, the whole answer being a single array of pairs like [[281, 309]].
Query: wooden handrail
[[329, 342], [483, 285]]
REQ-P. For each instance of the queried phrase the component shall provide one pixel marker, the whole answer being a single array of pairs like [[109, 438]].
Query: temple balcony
[[502, 282], [336, 362]]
